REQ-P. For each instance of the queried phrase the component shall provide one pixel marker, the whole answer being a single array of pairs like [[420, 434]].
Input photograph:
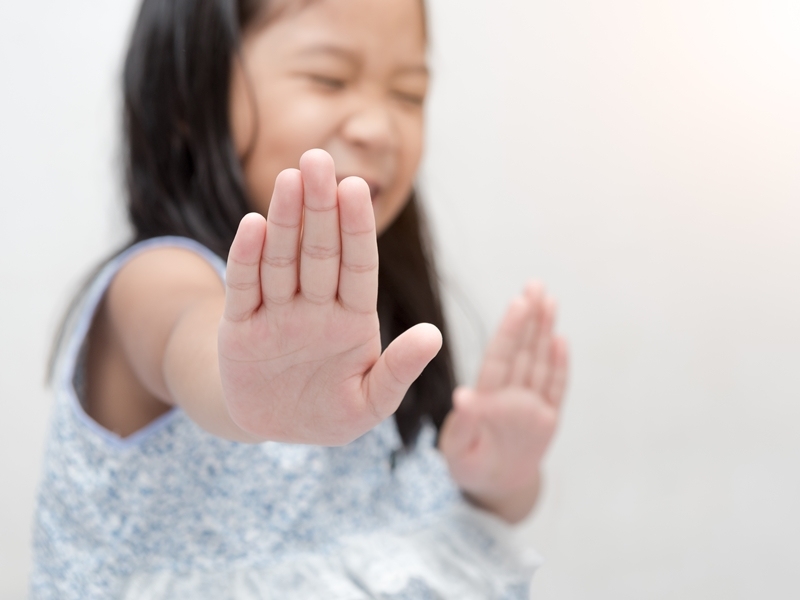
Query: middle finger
[[320, 248]]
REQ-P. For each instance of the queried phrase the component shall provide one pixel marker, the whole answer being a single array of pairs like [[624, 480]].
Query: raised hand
[[497, 433], [299, 341]]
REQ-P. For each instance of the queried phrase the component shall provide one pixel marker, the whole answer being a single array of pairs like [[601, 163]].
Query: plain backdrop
[[642, 158]]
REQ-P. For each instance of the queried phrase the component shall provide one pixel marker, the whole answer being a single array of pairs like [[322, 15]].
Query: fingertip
[[353, 184], [252, 219], [289, 176], [459, 392], [518, 307], [249, 236], [462, 397], [286, 205], [355, 206], [399, 365], [242, 291], [430, 336], [319, 180], [534, 289], [315, 157]]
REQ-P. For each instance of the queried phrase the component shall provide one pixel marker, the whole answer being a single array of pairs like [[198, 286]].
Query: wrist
[[512, 506]]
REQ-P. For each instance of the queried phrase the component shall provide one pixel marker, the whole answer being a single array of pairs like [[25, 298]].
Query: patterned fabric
[[174, 512]]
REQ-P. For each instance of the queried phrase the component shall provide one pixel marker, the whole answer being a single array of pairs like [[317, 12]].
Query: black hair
[[184, 177]]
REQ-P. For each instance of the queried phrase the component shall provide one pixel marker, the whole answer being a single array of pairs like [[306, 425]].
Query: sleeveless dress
[[175, 512]]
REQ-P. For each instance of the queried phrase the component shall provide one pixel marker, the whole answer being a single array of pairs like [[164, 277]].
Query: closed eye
[[415, 99], [331, 83]]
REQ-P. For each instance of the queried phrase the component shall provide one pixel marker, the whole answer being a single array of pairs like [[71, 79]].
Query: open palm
[[299, 341], [497, 433]]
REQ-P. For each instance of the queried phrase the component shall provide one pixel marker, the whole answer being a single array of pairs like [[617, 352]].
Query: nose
[[370, 126]]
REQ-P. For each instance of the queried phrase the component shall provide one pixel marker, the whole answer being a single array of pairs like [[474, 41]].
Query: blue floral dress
[[174, 512]]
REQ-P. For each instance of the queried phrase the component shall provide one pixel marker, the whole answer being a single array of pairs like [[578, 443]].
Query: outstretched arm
[[290, 350]]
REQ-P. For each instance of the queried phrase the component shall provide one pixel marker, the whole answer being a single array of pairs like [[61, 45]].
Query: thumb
[[399, 365], [460, 429]]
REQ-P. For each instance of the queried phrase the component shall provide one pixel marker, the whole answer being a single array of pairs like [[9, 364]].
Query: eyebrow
[[349, 57]]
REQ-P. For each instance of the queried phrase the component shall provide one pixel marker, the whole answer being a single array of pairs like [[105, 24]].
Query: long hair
[[184, 177]]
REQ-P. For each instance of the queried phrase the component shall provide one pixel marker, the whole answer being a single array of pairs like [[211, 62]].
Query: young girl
[[225, 432]]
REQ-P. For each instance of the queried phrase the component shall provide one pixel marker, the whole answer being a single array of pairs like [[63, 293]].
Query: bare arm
[[165, 306]]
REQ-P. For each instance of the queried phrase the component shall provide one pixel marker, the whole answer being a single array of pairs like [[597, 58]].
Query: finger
[[558, 379], [523, 363], [320, 248], [284, 222], [541, 369], [399, 365], [460, 430], [358, 273], [242, 278], [504, 346]]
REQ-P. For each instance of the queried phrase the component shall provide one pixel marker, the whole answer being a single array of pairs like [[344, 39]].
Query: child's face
[[347, 76]]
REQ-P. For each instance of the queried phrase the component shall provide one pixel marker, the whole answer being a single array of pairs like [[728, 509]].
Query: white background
[[642, 158]]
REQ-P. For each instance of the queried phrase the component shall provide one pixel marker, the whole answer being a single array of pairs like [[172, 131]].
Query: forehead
[[393, 29]]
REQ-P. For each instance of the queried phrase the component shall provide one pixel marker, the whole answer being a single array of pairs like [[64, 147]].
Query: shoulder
[[162, 277], [169, 260]]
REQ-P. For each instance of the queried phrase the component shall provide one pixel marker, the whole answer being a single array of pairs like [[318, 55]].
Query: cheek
[[411, 136], [291, 121], [287, 126], [411, 128], [242, 112]]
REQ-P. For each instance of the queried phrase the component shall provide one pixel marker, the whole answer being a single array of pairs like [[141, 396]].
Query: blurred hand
[[497, 433], [299, 342]]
